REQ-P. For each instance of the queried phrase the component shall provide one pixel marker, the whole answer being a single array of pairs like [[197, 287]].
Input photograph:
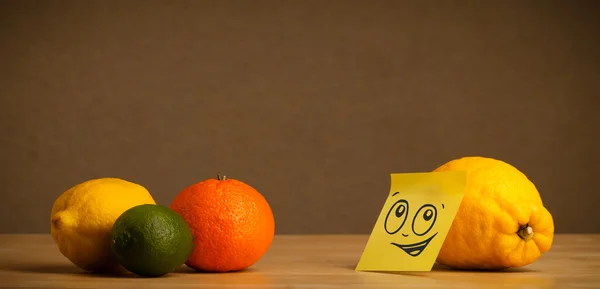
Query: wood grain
[[304, 261]]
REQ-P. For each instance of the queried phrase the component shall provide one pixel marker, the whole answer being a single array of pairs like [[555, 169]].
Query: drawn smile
[[415, 249]]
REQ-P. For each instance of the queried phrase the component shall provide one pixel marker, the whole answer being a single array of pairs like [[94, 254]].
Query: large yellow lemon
[[82, 218], [501, 222]]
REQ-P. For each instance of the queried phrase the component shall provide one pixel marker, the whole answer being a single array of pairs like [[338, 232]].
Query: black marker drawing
[[424, 219], [422, 223], [415, 249], [400, 214]]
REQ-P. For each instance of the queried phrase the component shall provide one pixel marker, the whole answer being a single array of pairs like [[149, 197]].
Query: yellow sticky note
[[414, 221]]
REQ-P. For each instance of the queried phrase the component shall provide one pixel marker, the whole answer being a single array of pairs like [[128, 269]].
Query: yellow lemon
[[82, 218], [501, 222]]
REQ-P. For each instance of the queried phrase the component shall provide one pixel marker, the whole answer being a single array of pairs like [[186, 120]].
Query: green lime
[[151, 240]]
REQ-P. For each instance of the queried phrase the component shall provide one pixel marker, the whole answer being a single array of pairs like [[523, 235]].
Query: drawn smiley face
[[422, 223]]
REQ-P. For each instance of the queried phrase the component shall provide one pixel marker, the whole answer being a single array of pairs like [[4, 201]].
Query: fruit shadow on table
[[71, 270], [441, 268]]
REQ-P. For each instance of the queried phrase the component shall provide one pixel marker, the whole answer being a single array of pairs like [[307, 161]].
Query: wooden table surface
[[303, 261]]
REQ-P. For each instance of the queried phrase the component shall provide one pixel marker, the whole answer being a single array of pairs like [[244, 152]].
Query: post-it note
[[414, 221]]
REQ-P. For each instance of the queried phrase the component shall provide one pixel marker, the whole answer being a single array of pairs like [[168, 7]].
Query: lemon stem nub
[[56, 222], [525, 232], [62, 220]]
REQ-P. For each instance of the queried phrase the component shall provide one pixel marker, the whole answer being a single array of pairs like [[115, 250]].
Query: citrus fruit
[[151, 240], [232, 223], [501, 222], [83, 216]]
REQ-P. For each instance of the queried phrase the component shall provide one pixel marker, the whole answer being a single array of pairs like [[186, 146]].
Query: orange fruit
[[232, 224]]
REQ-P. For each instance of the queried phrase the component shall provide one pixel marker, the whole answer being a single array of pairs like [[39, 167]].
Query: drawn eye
[[424, 219], [396, 217]]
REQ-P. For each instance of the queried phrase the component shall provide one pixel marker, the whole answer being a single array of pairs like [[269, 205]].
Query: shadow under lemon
[[520, 277], [70, 269]]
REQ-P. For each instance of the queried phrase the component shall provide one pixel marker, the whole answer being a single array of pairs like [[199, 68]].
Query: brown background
[[313, 103]]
